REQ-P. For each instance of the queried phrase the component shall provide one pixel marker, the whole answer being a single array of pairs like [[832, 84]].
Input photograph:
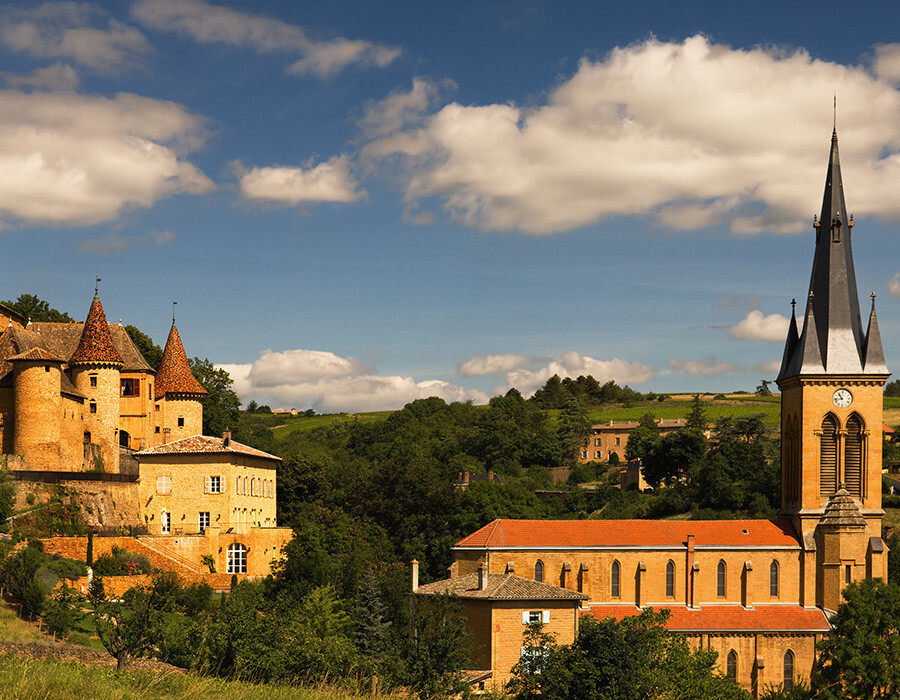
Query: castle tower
[[831, 380], [38, 408], [179, 411], [95, 370]]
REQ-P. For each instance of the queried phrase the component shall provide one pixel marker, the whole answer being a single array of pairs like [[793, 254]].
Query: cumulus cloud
[[711, 366], [401, 108], [59, 78], [497, 365], [116, 243], [208, 23], [330, 181], [67, 30], [894, 286], [330, 383], [755, 326], [572, 364], [70, 159], [692, 133], [887, 62]]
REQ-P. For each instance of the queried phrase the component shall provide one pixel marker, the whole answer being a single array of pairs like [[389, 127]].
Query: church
[[759, 592], [81, 407]]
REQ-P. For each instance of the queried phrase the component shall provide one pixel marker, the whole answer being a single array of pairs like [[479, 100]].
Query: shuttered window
[[828, 457], [853, 457]]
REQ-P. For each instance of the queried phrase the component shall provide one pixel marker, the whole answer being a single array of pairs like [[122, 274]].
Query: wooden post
[[374, 685]]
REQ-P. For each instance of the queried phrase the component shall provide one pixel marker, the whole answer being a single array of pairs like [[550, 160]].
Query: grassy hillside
[[28, 679]]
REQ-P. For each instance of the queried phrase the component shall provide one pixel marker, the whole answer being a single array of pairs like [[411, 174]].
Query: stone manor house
[[80, 406], [759, 592]]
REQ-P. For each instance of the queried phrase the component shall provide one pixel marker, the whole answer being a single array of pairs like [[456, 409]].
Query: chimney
[[459, 478], [482, 578], [490, 476], [414, 575], [226, 438], [466, 478]]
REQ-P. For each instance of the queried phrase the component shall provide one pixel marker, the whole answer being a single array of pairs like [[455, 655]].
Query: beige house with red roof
[[759, 592]]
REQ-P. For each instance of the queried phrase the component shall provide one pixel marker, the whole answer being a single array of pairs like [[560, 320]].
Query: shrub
[[67, 568], [33, 598], [121, 562]]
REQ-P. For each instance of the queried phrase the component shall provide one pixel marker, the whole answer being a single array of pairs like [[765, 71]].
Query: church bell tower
[[831, 380]]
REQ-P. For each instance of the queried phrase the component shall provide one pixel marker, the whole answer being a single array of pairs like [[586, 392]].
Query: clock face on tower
[[842, 398]]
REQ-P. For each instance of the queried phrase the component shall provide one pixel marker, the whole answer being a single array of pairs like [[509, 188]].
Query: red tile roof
[[203, 444], [96, 345], [729, 618], [504, 534], [37, 354], [174, 374]]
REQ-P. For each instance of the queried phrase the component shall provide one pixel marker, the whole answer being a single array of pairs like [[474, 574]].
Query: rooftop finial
[[834, 127], [793, 306], [174, 304], [96, 285], [873, 300]]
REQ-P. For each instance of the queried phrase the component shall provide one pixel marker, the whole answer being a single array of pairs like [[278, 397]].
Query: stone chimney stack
[[414, 575], [482, 578], [490, 476]]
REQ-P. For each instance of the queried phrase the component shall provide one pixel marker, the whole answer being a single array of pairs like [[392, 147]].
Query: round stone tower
[[178, 394], [38, 408], [96, 367]]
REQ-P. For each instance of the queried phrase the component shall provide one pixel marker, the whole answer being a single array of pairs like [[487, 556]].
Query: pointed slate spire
[[96, 345], [174, 374], [873, 352], [790, 345], [808, 358]]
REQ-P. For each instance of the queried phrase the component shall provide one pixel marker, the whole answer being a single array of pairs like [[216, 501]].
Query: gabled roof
[[500, 587], [63, 339], [203, 444], [174, 375], [37, 355], [728, 618], [96, 345], [645, 534]]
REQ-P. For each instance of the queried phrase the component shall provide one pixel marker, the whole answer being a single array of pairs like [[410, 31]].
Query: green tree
[[697, 417], [552, 395], [892, 388], [370, 623], [537, 647], [574, 430], [438, 647], [861, 656], [150, 350], [635, 659], [128, 627], [676, 454], [7, 498], [221, 406], [37, 310]]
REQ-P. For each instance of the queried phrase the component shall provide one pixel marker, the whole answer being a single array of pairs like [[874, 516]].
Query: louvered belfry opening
[[828, 454], [853, 461]]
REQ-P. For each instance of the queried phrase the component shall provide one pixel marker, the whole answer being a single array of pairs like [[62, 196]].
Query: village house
[[759, 592]]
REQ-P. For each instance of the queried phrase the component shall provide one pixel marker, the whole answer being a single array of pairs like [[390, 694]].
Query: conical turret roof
[[833, 340], [96, 345], [174, 375]]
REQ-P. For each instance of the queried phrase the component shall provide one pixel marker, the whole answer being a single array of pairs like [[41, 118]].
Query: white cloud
[[572, 364], [330, 383], [693, 133], [65, 30], [755, 326], [58, 77], [330, 181], [70, 159], [400, 109], [711, 366], [484, 365], [209, 23], [115, 243], [894, 286], [887, 62]]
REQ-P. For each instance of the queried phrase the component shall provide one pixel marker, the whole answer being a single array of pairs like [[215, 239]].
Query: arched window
[[614, 580], [87, 436], [853, 457], [237, 559], [828, 456], [788, 681], [773, 579], [720, 579], [124, 439], [731, 666], [539, 570], [670, 579]]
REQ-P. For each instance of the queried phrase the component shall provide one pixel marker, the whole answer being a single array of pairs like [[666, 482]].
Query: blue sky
[[358, 204]]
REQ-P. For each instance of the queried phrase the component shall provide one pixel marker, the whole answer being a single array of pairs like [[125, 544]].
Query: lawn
[[290, 424]]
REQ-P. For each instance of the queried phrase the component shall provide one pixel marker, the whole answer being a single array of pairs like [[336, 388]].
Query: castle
[[80, 406], [759, 592]]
